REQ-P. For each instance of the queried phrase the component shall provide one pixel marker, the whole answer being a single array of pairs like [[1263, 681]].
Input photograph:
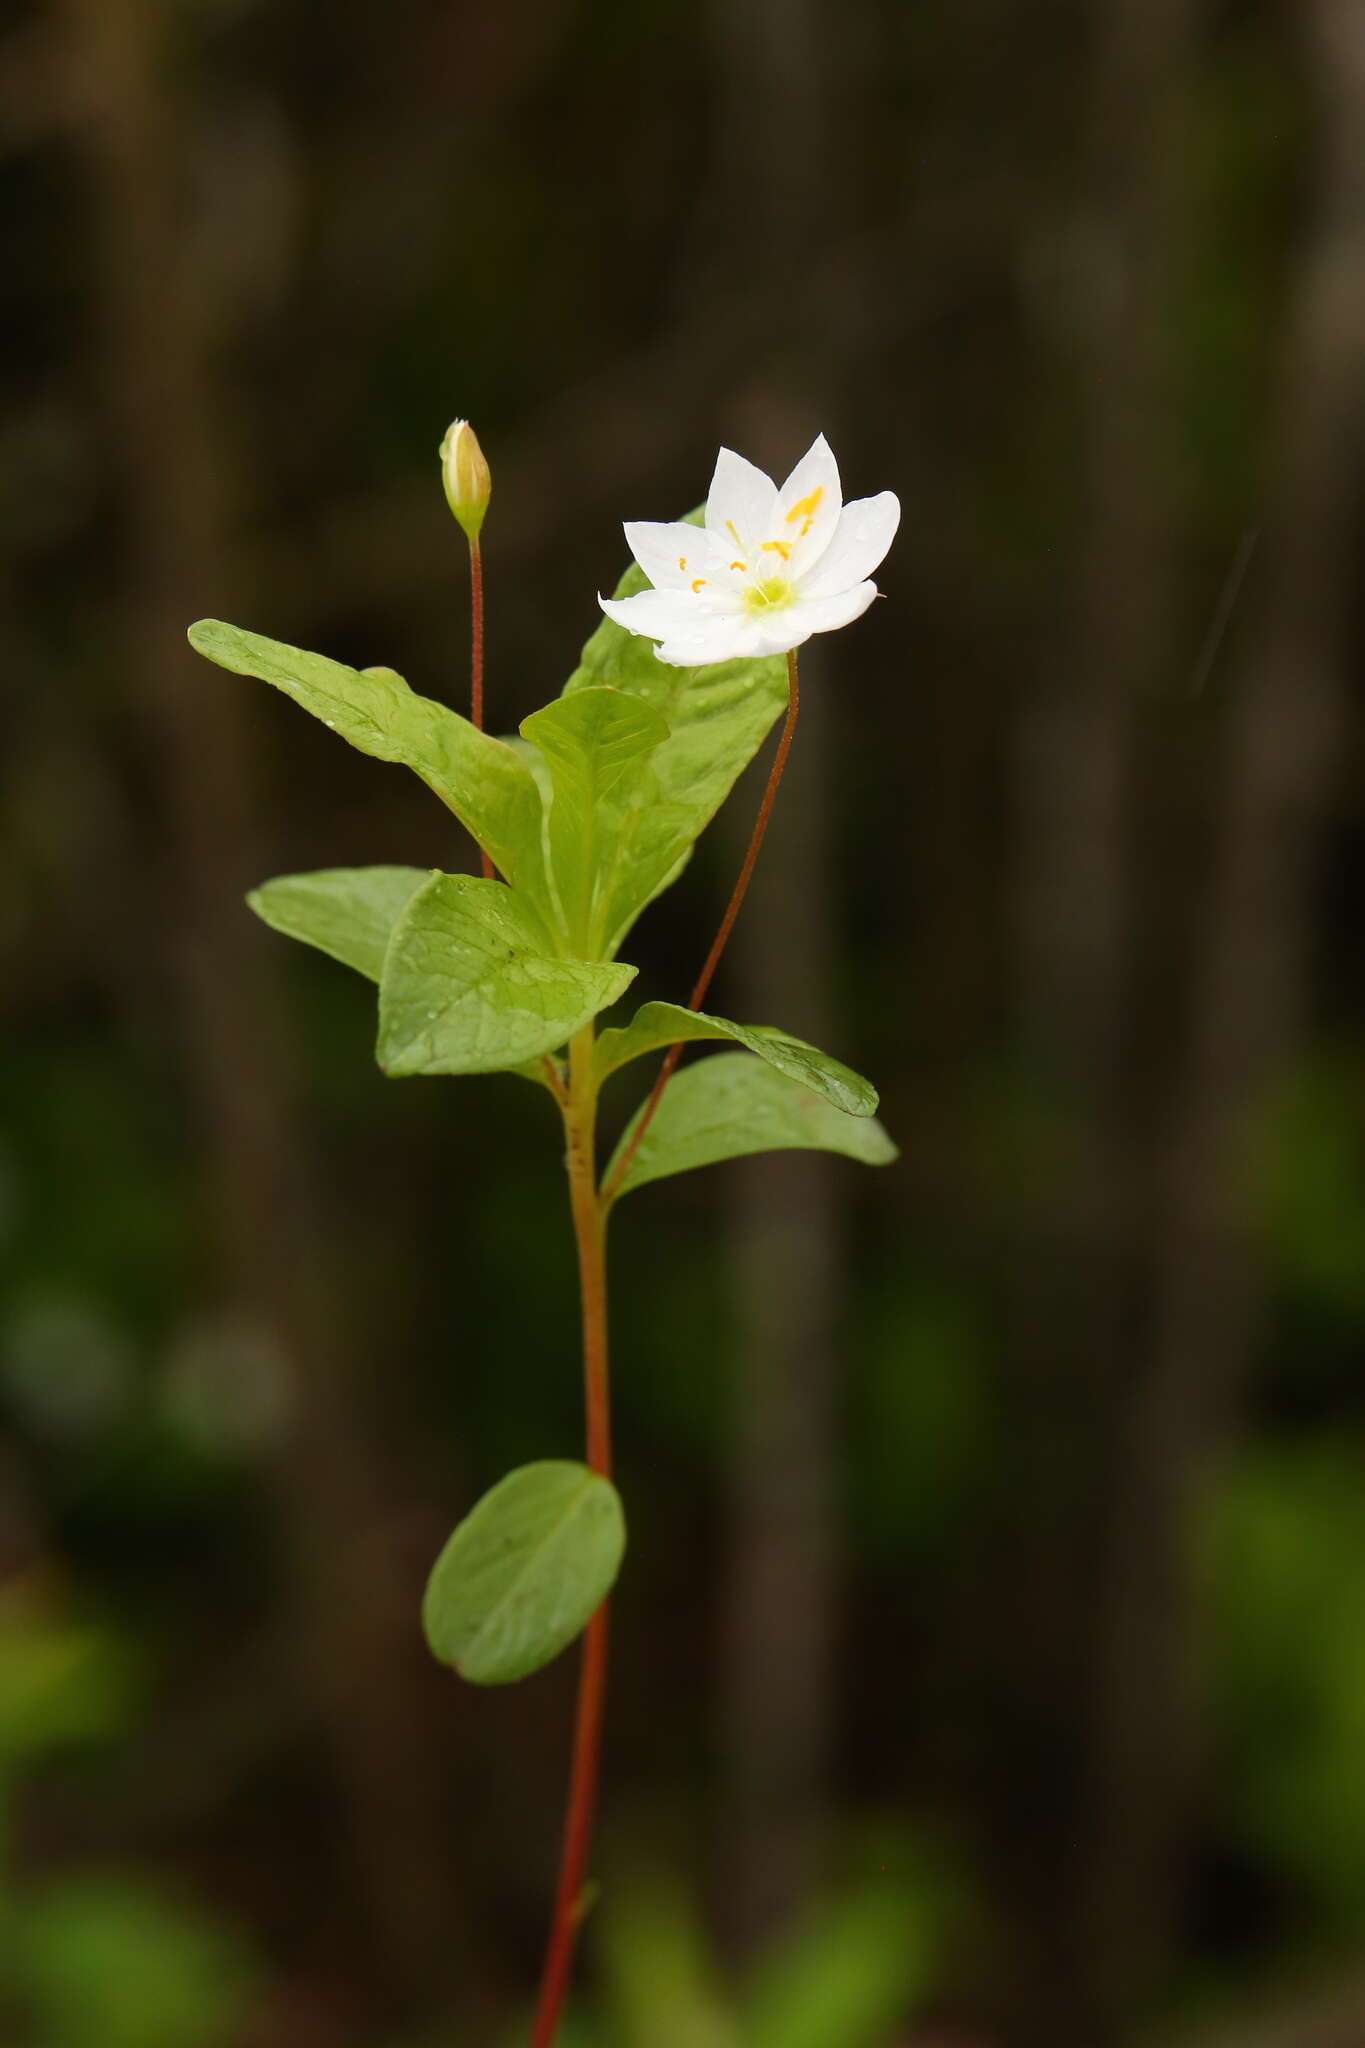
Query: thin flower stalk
[[476, 659]]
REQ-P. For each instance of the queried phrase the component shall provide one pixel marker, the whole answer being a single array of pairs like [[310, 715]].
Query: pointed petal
[[671, 553], [864, 534], [827, 614], [655, 612], [810, 502], [740, 498]]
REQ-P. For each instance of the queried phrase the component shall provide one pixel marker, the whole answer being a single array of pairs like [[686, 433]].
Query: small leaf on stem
[[524, 1572], [734, 1104]]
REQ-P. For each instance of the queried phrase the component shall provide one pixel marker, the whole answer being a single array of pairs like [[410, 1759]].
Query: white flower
[[769, 568]]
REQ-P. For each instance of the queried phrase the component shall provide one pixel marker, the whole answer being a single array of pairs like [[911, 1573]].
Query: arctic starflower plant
[[509, 972], [769, 567]]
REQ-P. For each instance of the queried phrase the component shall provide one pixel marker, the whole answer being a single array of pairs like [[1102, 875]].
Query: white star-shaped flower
[[769, 568]]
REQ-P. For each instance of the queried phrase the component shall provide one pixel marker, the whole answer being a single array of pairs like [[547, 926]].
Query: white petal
[[827, 614], [671, 553], [789, 627], [741, 505], [655, 613], [722, 639], [809, 505], [864, 534], [783, 631]]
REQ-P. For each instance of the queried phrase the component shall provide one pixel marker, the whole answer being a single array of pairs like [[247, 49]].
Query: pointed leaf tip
[[659, 1024], [479, 778], [348, 913]]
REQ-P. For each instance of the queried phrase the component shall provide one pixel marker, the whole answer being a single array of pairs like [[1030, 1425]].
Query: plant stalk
[[589, 1219], [476, 659], [727, 925]]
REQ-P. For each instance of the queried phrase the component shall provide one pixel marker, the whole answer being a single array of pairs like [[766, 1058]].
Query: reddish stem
[[476, 658], [587, 1750], [727, 924], [590, 1234]]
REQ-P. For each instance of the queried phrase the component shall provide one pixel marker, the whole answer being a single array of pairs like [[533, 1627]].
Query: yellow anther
[[777, 547], [700, 583], [806, 508], [740, 565], [682, 561]]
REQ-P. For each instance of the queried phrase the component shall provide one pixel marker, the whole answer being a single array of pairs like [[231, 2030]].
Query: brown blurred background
[[990, 1661]]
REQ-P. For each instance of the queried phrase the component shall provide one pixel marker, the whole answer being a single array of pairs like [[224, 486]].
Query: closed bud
[[465, 474]]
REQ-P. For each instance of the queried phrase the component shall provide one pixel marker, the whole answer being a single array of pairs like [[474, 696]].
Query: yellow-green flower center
[[772, 591]]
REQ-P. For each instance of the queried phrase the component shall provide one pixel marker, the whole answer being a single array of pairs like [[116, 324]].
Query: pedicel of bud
[[465, 474]]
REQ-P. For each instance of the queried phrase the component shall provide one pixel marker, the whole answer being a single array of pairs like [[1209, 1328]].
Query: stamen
[[700, 583], [682, 561], [777, 547], [740, 565], [733, 532], [806, 508]]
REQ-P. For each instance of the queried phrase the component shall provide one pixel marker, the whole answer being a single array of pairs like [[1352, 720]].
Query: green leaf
[[717, 718], [525, 1570], [660, 1024], [346, 912], [470, 985], [491, 791], [597, 744], [732, 1104]]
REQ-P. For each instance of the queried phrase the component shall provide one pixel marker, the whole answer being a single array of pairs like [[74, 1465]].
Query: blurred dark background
[[990, 1662]]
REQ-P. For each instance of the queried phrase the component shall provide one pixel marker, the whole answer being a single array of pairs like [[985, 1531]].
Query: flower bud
[[464, 472]]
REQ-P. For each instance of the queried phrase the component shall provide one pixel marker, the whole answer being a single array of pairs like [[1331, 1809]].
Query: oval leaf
[[470, 985], [525, 1571], [659, 1024], [732, 1104]]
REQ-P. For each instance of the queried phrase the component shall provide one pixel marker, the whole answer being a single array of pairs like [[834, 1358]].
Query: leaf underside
[[733, 1104], [348, 913], [524, 1572]]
